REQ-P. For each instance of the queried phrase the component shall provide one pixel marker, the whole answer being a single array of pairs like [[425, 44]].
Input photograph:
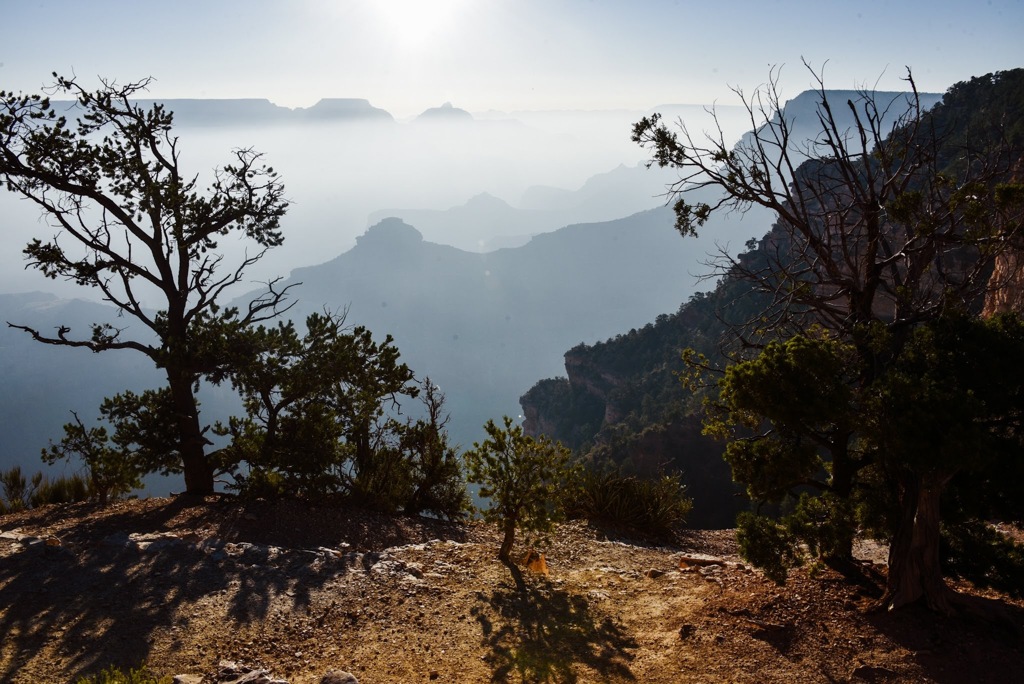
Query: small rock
[[155, 542], [230, 672], [654, 573], [187, 679], [119, 540], [871, 673], [686, 631], [339, 677]]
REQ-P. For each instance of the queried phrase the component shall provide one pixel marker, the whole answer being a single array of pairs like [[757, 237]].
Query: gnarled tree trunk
[[195, 464], [914, 570], [505, 553]]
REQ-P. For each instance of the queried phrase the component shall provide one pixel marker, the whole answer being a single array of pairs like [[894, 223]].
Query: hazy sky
[[408, 55]]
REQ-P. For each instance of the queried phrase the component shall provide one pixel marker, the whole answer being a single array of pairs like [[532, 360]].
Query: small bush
[[260, 483], [65, 489], [115, 675], [982, 554], [21, 493], [521, 476], [768, 545], [114, 466], [652, 506], [16, 490]]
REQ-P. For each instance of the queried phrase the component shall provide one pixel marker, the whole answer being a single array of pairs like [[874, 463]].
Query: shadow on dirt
[[117, 583], [984, 643], [544, 633]]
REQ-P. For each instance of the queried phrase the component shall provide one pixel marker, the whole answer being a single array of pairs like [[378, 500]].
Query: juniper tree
[[883, 228], [133, 225]]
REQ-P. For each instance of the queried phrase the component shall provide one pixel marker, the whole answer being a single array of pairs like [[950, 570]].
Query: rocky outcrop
[[1006, 285], [600, 382]]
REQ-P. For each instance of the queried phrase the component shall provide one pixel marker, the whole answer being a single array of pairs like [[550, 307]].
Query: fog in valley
[[487, 245], [343, 173], [456, 269]]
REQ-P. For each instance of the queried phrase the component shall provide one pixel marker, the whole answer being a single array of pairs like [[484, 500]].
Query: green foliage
[[522, 477], [412, 468], [954, 397], [768, 545], [16, 490], [950, 400], [117, 675], [976, 551], [811, 529], [800, 389], [134, 226], [113, 463], [144, 430], [21, 492], [824, 524], [317, 422], [434, 467], [311, 402], [789, 414], [64, 489], [813, 368], [981, 112], [657, 506], [880, 385]]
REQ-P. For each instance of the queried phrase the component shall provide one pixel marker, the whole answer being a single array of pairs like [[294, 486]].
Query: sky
[[505, 55]]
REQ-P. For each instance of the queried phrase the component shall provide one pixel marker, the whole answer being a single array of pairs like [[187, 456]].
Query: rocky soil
[[301, 591]]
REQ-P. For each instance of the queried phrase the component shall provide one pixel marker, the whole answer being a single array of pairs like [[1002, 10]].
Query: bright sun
[[412, 24]]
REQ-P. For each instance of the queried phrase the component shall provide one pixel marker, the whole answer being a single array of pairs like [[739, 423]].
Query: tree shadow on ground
[[546, 634], [113, 596], [984, 642], [113, 599]]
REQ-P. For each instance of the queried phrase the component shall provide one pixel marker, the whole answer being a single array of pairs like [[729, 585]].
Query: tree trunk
[[191, 443], [505, 553], [914, 570], [843, 471]]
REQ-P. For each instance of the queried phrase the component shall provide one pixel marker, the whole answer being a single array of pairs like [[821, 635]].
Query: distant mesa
[[345, 108], [390, 233], [242, 111], [445, 112]]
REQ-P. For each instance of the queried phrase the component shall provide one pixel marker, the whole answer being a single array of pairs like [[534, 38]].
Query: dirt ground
[[302, 590]]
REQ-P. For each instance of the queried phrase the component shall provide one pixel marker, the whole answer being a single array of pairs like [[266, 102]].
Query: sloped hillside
[[621, 400]]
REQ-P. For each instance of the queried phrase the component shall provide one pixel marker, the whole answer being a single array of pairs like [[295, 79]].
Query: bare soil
[[300, 590]]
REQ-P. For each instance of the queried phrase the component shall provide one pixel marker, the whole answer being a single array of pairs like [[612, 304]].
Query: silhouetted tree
[[884, 228], [319, 421], [113, 466], [523, 477], [133, 225]]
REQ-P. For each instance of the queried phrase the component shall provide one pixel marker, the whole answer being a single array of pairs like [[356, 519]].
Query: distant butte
[[445, 112]]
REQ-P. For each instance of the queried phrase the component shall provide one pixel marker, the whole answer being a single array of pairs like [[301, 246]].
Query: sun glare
[[411, 25]]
